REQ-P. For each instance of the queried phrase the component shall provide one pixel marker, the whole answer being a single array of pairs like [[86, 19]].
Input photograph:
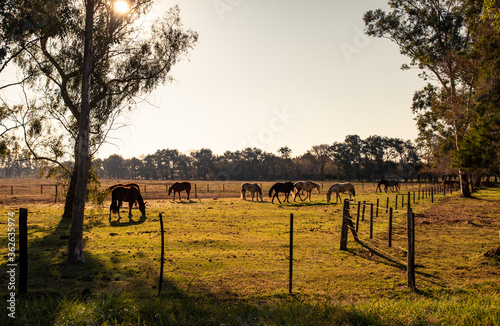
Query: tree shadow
[[130, 222]]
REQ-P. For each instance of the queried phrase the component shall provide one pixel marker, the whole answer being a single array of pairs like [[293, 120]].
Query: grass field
[[226, 262]]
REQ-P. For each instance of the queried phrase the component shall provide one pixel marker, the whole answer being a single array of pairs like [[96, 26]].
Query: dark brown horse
[[285, 187], [178, 187], [124, 193], [394, 184]]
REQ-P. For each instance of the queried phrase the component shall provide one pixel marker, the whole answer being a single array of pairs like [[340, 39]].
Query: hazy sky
[[273, 73]]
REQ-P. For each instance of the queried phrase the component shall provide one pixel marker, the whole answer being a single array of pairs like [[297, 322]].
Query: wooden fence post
[[290, 271], [363, 215], [23, 251], [410, 225], [371, 220], [195, 192], [162, 255], [378, 200], [390, 228], [357, 217], [344, 231]]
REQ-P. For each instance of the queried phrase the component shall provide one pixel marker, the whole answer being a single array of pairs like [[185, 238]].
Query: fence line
[[347, 224]]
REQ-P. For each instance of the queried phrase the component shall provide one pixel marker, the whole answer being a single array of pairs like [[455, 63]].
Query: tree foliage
[[440, 38], [131, 56]]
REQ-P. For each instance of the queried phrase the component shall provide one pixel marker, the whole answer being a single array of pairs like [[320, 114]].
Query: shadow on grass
[[63, 293], [130, 222]]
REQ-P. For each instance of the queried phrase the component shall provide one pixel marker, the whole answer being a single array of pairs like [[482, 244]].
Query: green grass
[[226, 262]]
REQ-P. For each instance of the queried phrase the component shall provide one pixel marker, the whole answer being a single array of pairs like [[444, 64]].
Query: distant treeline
[[369, 159], [354, 159]]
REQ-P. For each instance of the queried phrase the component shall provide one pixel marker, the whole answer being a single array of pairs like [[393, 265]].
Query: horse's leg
[[188, 193], [119, 206], [130, 205], [180, 198], [309, 194]]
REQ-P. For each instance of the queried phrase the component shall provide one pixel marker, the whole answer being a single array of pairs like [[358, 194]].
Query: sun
[[121, 6]]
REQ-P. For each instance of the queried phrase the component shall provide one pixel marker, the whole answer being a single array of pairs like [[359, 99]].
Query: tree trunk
[[464, 184], [70, 195], [75, 245]]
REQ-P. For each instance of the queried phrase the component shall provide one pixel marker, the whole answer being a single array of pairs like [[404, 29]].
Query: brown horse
[[130, 194], [340, 188], [253, 188], [394, 184], [178, 187], [306, 186]]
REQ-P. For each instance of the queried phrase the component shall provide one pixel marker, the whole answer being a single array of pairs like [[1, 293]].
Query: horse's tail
[[271, 191], [114, 203], [242, 191]]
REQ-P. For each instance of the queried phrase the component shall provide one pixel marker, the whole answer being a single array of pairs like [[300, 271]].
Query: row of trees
[[362, 159], [369, 159]]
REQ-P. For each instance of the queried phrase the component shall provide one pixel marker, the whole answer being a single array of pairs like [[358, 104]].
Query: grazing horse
[[178, 187], [130, 194], [278, 187], [306, 186], [388, 183], [253, 188], [340, 187]]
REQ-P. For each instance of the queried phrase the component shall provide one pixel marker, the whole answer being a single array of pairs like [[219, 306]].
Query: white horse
[[341, 187], [253, 188], [306, 186]]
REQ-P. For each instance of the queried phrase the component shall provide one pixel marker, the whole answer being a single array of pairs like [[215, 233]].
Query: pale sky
[[273, 73]]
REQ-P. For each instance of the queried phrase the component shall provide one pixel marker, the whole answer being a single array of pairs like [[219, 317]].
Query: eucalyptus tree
[[92, 67], [434, 35], [128, 63]]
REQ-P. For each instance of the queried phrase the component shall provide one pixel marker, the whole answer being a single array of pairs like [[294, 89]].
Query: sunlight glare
[[121, 6]]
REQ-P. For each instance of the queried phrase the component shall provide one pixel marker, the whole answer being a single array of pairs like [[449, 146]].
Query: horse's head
[[142, 207], [169, 190], [328, 197]]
